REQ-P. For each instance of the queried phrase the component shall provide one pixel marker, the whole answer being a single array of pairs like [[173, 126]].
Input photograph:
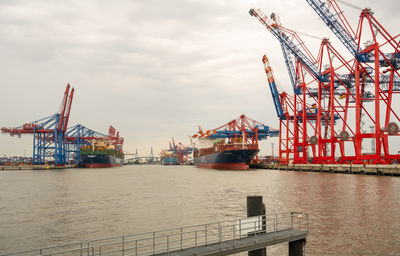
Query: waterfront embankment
[[390, 170]]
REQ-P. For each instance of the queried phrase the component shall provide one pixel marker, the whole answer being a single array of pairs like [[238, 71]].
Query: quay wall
[[390, 170], [33, 167]]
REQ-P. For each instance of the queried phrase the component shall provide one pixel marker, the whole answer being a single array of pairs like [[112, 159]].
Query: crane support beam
[[63, 106]]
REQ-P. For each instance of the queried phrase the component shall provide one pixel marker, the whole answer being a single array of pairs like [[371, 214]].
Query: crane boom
[[282, 34], [291, 70], [346, 35], [272, 87], [71, 96], [337, 28], [284, 39], [63, 106], [287, 56]]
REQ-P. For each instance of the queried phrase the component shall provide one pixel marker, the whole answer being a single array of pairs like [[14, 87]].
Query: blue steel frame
[[263, 131], [51, 146], [48, 145], [78, 132]]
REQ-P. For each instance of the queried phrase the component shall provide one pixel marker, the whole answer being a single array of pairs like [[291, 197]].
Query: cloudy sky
[[154, 69]]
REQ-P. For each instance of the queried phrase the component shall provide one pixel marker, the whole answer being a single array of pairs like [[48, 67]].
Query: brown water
[[349, 214]]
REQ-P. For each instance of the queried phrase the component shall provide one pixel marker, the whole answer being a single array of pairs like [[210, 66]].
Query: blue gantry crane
[[78, 136], [53, 141], [48, 133], [240, 127]]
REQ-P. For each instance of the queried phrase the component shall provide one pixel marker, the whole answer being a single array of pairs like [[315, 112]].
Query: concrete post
[[296, 247], [255, 207]]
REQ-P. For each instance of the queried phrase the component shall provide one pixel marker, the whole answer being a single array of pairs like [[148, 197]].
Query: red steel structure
[[376, 66], [292, 120], [340, 93], [321, 89], [307, 121]]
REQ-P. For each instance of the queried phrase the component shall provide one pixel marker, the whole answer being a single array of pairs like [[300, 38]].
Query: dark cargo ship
[[168, 157], [219, 155], [100, 157], [99, 160], [103, 152], [169, 161]]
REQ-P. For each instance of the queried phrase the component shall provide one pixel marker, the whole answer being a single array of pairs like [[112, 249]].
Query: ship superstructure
[[103, 151], [232, 146]]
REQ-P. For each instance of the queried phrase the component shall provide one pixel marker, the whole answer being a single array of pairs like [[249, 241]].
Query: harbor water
[[348, 214]]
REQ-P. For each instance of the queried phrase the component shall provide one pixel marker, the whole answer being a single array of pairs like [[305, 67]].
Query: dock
[[33, 167], [369, 169], [211, 239]]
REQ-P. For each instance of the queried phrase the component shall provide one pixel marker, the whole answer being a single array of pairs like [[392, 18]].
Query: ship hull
[[169, 161], [227, 160], [100, 161]]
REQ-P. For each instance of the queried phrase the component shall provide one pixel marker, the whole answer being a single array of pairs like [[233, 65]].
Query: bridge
[[136, 159], [143, 159], [211, 239]]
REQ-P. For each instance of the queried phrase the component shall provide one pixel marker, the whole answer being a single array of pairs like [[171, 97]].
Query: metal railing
[[176, 239]]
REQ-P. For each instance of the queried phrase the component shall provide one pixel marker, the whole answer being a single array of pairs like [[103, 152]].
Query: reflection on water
[[349, 214]]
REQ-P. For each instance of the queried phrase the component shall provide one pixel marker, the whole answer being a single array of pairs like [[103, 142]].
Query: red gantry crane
[[343, 89]]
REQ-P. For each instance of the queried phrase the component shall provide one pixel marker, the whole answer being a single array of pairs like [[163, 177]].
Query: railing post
[[220, 236], [168, 244], [181, 239], [205, 233], [92, 251], [307, 222], [195, 240], [234, 234], [240, 228], [255, 232], [40, 251], [291, 220], [99, 250], [136, 247], [154, 243], [123, 245], [299, 222], [81, 248]]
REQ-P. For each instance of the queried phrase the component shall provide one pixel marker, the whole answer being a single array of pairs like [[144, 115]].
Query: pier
[[252, 234], [370, 169], [34, 167], [211, 239]]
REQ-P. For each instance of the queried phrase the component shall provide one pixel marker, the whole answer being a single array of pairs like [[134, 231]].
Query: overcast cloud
[[154, 69]]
